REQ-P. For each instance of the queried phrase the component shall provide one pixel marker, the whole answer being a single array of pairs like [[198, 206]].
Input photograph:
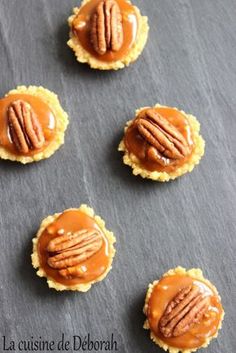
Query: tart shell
[[131, 160], [61, 116], [84, 56], [193, 273], [81, 287]]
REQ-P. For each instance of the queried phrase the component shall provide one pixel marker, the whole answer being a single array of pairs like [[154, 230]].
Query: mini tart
[[48, 129], [135, 34], [163, 292], [137, 148], [86, 260]]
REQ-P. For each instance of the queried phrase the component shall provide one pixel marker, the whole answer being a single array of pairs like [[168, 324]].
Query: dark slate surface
[[189, 62]]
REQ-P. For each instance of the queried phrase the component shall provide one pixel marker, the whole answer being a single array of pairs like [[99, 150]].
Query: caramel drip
[[44, 114], [72, 221], [164, 292], [135, 143], [82, 25]]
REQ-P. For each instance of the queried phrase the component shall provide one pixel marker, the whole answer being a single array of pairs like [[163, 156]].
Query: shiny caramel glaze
[[72, 221], [44, 115], [81, 28], [164, 291], [135, 144]]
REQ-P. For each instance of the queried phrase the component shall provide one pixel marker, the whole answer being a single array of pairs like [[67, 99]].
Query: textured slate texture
[[189, 62]]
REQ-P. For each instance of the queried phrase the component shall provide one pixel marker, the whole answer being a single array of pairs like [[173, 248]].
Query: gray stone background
[[189, 62]]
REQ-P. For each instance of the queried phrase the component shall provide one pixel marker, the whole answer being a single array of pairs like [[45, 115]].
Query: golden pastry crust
[[82, 287], [52, 101], [131, 160], [197, 274], [84, 56]]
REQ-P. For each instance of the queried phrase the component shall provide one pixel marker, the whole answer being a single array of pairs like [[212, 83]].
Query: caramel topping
[[27, 124], [73, 249], [184, 312], [123, 25], [160, 138]]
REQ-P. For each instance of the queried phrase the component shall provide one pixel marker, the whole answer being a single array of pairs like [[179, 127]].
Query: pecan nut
[[69, 250], [25, 129], [164, 139], [106, 27], [186, 309]]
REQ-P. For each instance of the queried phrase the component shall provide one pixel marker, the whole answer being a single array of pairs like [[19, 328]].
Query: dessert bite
[[183, 310], [32, 124], [107, 34], [73, 249], [162, 143]]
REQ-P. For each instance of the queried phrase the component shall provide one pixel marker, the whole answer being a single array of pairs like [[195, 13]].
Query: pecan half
[[186, 309], [70, 249], [25, 129], [165, 141], [106, 27]]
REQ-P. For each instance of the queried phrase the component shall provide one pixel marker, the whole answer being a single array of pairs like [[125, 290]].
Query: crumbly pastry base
[[193, 273], [131, 160], [84, 56], [82, 287], [61, 117]]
